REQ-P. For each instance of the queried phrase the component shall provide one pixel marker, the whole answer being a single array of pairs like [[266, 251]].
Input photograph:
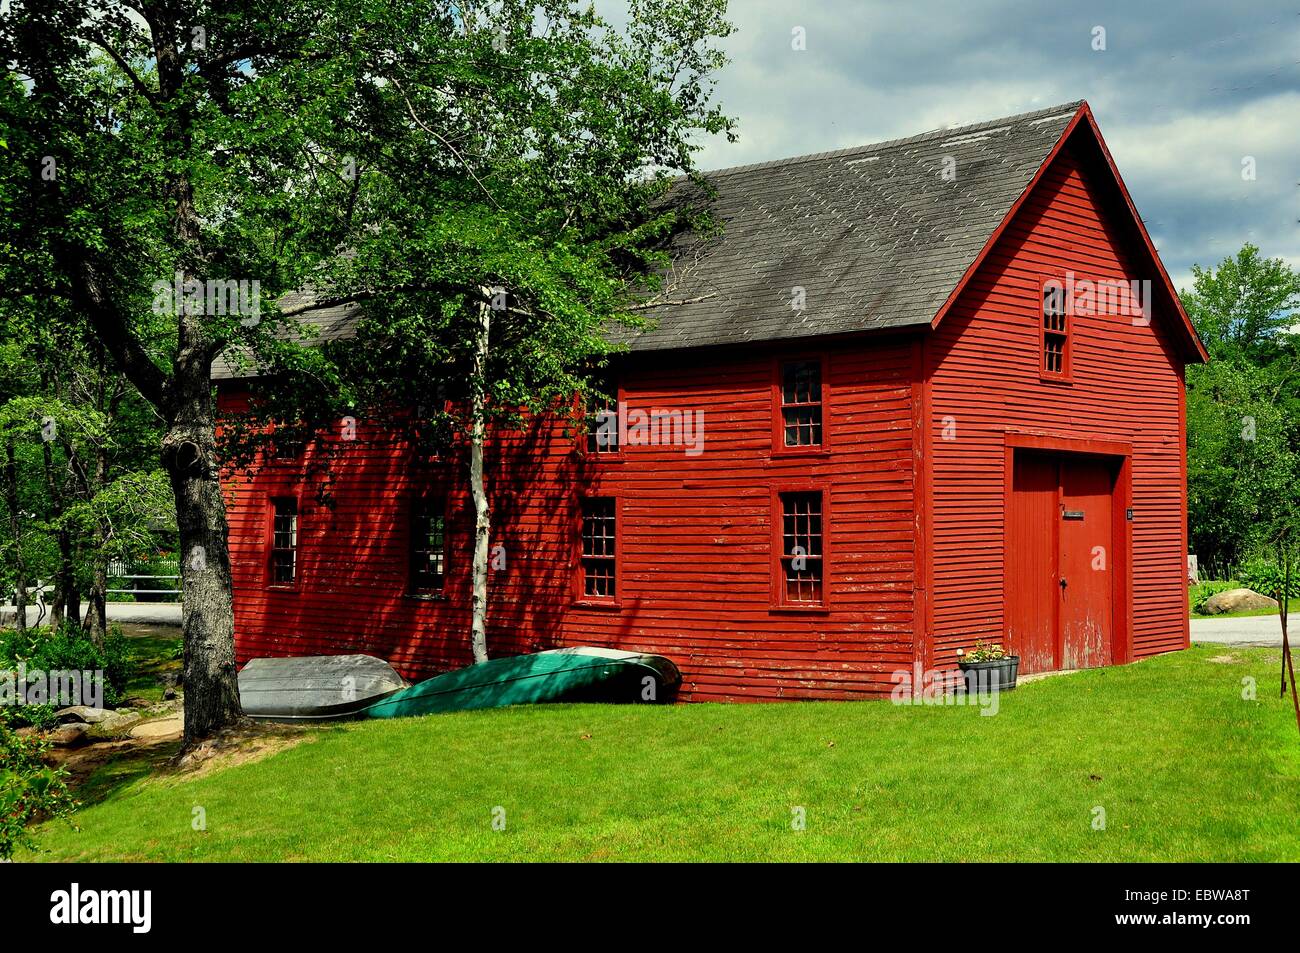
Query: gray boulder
[[82, 713], [70, 735], [118, 721]]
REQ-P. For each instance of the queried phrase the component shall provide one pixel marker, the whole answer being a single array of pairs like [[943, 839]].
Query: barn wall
[[983, 379], [696, 545]]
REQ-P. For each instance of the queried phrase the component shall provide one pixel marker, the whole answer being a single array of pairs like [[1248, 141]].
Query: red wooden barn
[[930, 392]]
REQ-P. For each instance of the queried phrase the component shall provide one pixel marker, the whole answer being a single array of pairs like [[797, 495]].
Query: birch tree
[[520, 213]]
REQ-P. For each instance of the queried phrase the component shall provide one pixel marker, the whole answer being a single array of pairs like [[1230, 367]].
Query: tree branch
[[125, 67], [445, 142], [659, 303], [90, 297]]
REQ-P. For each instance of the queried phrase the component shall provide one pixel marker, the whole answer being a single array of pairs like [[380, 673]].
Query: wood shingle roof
[[865, 238]]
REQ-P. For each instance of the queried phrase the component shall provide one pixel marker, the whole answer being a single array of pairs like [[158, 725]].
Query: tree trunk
[[62, 579], [69, 595], [182, 397], [63, 575], [15, 535], [96, 619], [207, 613], [71, 599], [482, 518], [189, 444]]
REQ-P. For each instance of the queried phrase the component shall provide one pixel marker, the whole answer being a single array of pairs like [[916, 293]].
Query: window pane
[[1054, 308], [801, 382], [1055, 329], [602, 425], [803, 426], [1054, 353]]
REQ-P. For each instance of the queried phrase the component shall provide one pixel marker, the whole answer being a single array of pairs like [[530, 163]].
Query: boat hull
[[582, 673], [316, 687]]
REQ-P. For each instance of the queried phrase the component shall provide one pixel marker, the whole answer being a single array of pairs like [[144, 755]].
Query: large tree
[[1243, 408], [461, 161], [176, 144]]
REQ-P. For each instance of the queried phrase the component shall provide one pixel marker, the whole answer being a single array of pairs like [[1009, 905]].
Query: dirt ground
[[95, 770], [98, 767]]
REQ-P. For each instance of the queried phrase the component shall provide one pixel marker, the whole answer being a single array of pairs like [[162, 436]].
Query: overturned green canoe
[[581, 673]]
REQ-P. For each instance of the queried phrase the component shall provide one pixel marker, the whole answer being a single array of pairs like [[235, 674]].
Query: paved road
[[142, 613], [1246, 630]]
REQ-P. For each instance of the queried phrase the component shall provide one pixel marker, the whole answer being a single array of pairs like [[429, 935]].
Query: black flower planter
[[998, 675]]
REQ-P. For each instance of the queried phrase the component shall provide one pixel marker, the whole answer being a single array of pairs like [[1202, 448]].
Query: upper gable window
[[602, 425], [1054, 332], [801, 403]]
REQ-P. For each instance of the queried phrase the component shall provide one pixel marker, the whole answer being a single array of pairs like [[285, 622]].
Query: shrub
[[68, 649], [29, 789], [1201, 591], [1266, 577]]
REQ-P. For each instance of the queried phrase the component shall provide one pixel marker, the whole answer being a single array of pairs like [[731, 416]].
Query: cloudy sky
[[1183, 92]]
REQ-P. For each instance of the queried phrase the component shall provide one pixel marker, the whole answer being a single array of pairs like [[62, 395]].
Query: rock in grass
[[81, 713], [1238, 600], [120, 720], [68, 736]]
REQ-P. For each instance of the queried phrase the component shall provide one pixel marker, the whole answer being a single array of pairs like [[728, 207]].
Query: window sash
[[599, 548], [802, 538], [284, 541], [801, 403], [602, 427], [1054, 353], [429, 546]]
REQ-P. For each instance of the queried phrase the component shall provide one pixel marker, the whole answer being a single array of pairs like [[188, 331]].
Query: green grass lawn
[[1184, 768], [152, 652]]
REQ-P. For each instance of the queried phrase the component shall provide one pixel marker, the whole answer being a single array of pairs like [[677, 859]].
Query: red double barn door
[[1060, 560]]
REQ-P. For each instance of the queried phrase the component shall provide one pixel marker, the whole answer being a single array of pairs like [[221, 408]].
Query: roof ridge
[[943, 133]]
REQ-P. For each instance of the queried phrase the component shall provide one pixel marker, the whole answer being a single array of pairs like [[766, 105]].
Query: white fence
[[121, 569]]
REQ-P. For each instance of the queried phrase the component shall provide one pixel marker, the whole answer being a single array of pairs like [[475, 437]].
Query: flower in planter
[[983, 652]]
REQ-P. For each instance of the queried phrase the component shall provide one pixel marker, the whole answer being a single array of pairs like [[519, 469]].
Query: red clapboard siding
[[695, 539], [1126, 386], [919, 430]]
